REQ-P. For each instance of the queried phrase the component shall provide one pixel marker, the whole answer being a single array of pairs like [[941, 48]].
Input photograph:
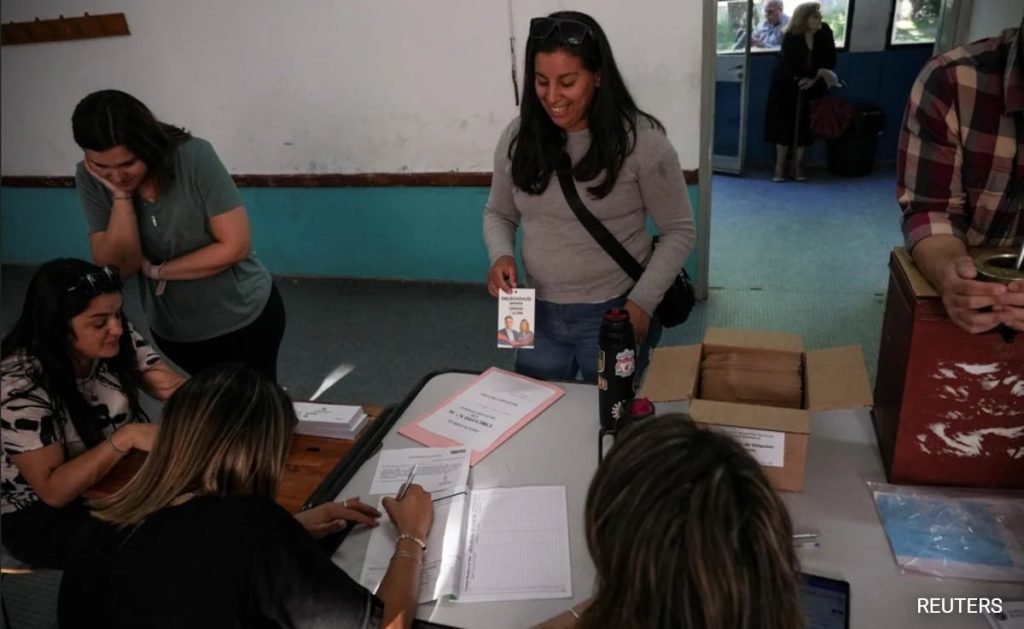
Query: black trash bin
[[853, 153]]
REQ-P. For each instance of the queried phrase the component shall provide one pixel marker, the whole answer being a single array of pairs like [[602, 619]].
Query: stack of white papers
[[336, 421], [502, 544]]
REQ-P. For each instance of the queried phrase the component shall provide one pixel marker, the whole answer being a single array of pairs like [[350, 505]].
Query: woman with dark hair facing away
[[196, 539], [685, 531], [71, 370], [160, 203], [803, 73], [625, 170]]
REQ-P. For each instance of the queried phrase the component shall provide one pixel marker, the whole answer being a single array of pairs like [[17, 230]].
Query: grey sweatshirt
[[563, 261]]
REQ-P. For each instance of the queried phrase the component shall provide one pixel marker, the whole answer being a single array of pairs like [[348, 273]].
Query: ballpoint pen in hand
[[408, 481]]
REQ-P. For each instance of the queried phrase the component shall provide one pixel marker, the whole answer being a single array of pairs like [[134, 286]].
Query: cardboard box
[[778, 437], [949, 405]]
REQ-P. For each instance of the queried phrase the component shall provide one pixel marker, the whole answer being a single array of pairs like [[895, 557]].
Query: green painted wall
[[395, 233]]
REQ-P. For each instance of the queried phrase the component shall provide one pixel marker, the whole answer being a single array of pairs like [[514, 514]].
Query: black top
[[797, 61], [240, 561]]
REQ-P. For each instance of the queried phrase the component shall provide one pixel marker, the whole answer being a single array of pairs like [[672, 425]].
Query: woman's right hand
[[502, 276], [138, 436], [109, 185], [413, 514]]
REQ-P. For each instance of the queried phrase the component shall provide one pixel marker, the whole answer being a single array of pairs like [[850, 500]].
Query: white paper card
[[1011, 616], [515, 318], [440, 471], [332, 413], [768, 447]]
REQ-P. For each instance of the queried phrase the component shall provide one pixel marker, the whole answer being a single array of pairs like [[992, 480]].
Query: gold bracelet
[[401, 554], [575, 614], [125, 197]]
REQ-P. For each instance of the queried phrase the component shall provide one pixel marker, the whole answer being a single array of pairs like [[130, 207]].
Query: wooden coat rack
[[64, 29]]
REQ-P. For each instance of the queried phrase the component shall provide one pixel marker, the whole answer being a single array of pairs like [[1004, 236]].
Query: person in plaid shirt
[[961, 175]]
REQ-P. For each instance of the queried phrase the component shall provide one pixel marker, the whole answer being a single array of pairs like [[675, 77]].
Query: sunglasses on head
[[569, 31], [106, 280]]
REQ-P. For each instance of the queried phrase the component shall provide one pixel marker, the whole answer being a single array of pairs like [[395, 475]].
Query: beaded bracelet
[[420, 542]]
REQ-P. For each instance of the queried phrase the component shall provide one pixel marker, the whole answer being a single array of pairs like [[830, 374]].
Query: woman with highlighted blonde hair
[[685, 531], [196, 539]]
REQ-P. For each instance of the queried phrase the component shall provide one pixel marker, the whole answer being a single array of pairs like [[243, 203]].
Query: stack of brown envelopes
[[751, 376]]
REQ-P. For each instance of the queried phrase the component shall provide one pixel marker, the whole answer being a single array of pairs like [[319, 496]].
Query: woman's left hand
[[332, 517], [641, 322], [805, 83]]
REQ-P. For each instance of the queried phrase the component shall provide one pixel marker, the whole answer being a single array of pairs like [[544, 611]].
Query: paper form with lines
[[499, 544]]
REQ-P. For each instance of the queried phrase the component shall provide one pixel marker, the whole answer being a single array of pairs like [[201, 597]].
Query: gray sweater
[[563, 262]]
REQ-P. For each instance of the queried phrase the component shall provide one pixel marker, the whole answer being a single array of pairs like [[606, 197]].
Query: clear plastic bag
[[956, 533]]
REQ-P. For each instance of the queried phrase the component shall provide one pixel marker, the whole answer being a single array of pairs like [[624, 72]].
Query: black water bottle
[[616, 368]]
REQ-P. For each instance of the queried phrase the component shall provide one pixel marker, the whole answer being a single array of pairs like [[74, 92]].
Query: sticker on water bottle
[[625, 363]]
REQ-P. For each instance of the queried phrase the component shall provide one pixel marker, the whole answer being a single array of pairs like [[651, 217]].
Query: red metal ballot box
[[949, 405]]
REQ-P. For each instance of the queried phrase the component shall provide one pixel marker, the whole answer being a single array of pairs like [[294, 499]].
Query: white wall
[[989, 17], [324, 86]]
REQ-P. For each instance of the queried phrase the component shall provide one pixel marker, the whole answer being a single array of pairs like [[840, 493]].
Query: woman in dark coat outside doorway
[[803, 73]]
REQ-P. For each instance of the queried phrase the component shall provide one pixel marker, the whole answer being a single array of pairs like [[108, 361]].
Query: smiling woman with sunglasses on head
[[159, 202], [71, 372], [625, 170]]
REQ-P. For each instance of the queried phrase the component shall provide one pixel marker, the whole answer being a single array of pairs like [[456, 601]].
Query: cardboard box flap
[[918, 282], [751, 416], [836, 378], [672, 374], [754, 339]]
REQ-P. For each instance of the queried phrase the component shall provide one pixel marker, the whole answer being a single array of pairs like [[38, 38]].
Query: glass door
[[732, 64]]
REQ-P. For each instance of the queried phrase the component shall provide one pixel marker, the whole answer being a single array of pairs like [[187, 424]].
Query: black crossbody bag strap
[[596, 228]]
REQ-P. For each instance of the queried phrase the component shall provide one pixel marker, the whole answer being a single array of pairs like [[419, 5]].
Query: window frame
[[890, 31], [844, 47]]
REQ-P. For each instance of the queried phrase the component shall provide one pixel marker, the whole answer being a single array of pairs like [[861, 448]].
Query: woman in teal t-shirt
[[160, 203]]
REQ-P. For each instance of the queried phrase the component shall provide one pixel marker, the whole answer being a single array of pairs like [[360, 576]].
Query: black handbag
[[677, 302]]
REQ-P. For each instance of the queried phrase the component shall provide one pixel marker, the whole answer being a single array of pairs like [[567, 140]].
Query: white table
[[559, 447]]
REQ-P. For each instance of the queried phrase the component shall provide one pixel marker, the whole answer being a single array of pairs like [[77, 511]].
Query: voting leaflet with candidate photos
[[515, 318]]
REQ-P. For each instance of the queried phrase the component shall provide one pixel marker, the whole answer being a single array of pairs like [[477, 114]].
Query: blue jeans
[[565, 341]]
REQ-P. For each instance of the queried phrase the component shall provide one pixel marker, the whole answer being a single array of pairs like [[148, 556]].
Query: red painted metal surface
[[949, 406]]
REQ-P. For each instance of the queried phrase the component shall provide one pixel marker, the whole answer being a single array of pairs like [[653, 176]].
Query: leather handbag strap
[[596, 228]]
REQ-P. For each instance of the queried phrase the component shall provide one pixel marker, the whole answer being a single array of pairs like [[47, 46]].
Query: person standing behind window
[[770, 31], [625, 170], [803, 73], [160, 203]]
